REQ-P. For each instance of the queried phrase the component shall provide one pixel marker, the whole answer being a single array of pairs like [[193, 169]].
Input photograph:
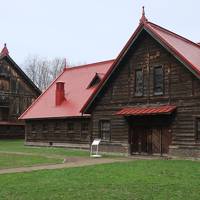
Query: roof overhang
[[146, 111]]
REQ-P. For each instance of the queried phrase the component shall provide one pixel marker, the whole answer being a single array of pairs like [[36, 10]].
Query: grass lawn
[[13, 153], [12, 160], [142, 179], [18, 146]]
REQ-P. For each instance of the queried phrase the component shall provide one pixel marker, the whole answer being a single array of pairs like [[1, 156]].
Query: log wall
[[181, 88]]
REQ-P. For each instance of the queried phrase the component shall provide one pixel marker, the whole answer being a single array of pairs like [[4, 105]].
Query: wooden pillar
[[161, 144]]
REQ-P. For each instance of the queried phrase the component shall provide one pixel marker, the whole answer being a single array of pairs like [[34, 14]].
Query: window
[[198, 129], [85, 126], [70, 126], [158, 80], [33, 127], [138, 82], [104, 129], [17, 87], [56, 126], [44, 127]]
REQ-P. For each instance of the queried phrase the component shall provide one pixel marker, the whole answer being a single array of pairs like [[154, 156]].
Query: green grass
[[13, 154], [18, 146], [150, 179], [12, 160]]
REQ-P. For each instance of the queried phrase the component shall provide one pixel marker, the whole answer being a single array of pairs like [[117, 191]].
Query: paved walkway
[[69, 162]]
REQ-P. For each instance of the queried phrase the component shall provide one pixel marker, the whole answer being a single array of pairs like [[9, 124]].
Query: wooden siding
[[16, 95], [181, 88], [56, 130]]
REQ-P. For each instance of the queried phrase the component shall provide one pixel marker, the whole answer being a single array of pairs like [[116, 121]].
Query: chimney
[[60, 93]]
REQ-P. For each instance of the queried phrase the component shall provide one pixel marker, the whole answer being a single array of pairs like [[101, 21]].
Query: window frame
[[33, 128], [154, 81], [56, 126], [45, 127], [68, 125], [82, 125], [135, 92], [101, 131]]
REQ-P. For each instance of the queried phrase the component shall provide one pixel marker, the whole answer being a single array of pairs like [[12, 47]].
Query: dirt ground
[[67, 163]]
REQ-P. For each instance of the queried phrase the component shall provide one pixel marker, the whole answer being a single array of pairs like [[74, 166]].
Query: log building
[[17, 92], [54, 119], [146, 102], [149, 101]]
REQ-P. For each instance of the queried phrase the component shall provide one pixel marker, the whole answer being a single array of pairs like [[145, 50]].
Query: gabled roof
[[186, 51], [5, 55], [76, 81]]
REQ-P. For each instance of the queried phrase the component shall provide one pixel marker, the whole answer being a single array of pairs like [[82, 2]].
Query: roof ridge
[[174, 34], [90, 64]]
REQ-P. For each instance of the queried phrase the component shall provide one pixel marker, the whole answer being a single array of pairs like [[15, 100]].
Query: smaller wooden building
[[54, 119], [17, 92]]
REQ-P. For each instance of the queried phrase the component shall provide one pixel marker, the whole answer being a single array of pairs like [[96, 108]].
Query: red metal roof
[[76, 80], [138, 111], [185, 50]]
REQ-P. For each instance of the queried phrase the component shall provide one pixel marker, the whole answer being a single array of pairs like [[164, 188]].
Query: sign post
[[93, 153]]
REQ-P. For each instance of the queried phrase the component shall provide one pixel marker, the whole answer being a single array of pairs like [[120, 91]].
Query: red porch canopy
[[141, 111]]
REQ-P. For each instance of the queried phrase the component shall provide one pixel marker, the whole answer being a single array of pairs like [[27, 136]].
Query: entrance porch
[[150, 130]]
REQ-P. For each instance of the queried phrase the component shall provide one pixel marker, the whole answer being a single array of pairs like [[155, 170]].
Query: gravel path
[[69, 162]]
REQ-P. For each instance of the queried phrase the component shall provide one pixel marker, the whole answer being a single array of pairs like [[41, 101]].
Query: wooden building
[[146, 101], [149, 101], [17, 92], [54, 119]]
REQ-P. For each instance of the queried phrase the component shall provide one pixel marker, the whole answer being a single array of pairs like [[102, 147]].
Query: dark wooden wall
[[16, 95], [181, 88], [56, 130]]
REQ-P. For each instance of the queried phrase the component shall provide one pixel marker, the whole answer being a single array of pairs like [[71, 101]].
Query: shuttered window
[[138, 82], [104, 129], [158, 80]]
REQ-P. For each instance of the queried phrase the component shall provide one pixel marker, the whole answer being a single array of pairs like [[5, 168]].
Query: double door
[[154, 140]]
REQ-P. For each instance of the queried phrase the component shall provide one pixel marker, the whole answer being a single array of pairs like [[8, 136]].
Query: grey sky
[[87, 30]]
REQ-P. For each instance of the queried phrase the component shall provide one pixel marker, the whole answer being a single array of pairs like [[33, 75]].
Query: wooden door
[[150, 140], [135, 140], [156, 140], [166, 140], [139, 140]]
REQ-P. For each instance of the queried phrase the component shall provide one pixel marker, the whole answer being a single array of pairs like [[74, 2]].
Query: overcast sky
[[86, 31]]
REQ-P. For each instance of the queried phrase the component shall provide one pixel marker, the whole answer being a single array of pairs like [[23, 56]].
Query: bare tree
[[31, 67], [38, 71], [57, 66], [42, 71]]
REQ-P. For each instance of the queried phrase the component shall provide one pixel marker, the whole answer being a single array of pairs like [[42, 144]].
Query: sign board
[[96, 142], [93, 153]]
